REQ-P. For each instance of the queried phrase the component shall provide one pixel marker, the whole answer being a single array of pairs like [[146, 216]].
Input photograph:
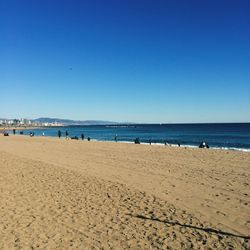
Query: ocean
[[217, 135]]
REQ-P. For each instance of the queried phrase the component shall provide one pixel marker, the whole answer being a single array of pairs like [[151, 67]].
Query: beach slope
[[63, 194]]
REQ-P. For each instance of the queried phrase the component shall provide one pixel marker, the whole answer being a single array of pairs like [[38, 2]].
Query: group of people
[[203, 144], [137, 141], [59, 133]]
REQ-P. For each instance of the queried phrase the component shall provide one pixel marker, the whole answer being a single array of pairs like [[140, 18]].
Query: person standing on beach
[[67, 135], [115, 138], [137, 140], [14, 131], [59, 134], [82, 136]]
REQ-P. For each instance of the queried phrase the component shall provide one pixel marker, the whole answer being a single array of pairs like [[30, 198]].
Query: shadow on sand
[[176, 223]]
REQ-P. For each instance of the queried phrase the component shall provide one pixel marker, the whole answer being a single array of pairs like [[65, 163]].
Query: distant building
[[24, 121]]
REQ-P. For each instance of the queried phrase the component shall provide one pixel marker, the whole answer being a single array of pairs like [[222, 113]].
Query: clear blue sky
[[133, 60]]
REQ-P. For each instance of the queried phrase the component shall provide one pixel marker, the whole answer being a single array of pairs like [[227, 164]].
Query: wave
[[181, 146]]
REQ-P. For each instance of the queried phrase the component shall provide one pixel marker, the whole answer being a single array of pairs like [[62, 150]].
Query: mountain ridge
[[73, 122]]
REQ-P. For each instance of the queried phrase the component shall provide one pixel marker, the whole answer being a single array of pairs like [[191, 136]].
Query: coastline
[[18, 128], [211, 186], [217, 136], [232, 136], [247, 150]]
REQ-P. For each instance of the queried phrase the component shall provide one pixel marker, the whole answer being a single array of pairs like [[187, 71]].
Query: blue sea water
[[218, 135]]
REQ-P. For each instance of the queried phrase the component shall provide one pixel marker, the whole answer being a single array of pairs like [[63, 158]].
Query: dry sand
[[64, 194]]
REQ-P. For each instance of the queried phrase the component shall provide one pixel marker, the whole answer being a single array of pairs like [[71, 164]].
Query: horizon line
[[128, 122]]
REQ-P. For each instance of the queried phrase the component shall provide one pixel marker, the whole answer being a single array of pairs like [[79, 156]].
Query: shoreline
[[246, 150], [19, 128], [229, 137]]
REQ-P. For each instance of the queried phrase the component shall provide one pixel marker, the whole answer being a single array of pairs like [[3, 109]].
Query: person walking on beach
[[59, 134], [82, 136], [67, 135]]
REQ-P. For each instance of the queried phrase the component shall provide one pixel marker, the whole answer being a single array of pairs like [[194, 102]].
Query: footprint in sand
[[220, 213]]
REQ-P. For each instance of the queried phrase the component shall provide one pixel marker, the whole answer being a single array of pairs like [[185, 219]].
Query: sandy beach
[[67, 194]]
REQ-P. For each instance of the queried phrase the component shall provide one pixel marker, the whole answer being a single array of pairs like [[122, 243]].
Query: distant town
[[23, 122], [50, 122]]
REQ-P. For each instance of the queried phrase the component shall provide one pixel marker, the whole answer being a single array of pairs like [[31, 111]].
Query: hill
[[72, 122]]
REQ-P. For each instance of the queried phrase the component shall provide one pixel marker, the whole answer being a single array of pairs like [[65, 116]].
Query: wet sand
[[67, 194]]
